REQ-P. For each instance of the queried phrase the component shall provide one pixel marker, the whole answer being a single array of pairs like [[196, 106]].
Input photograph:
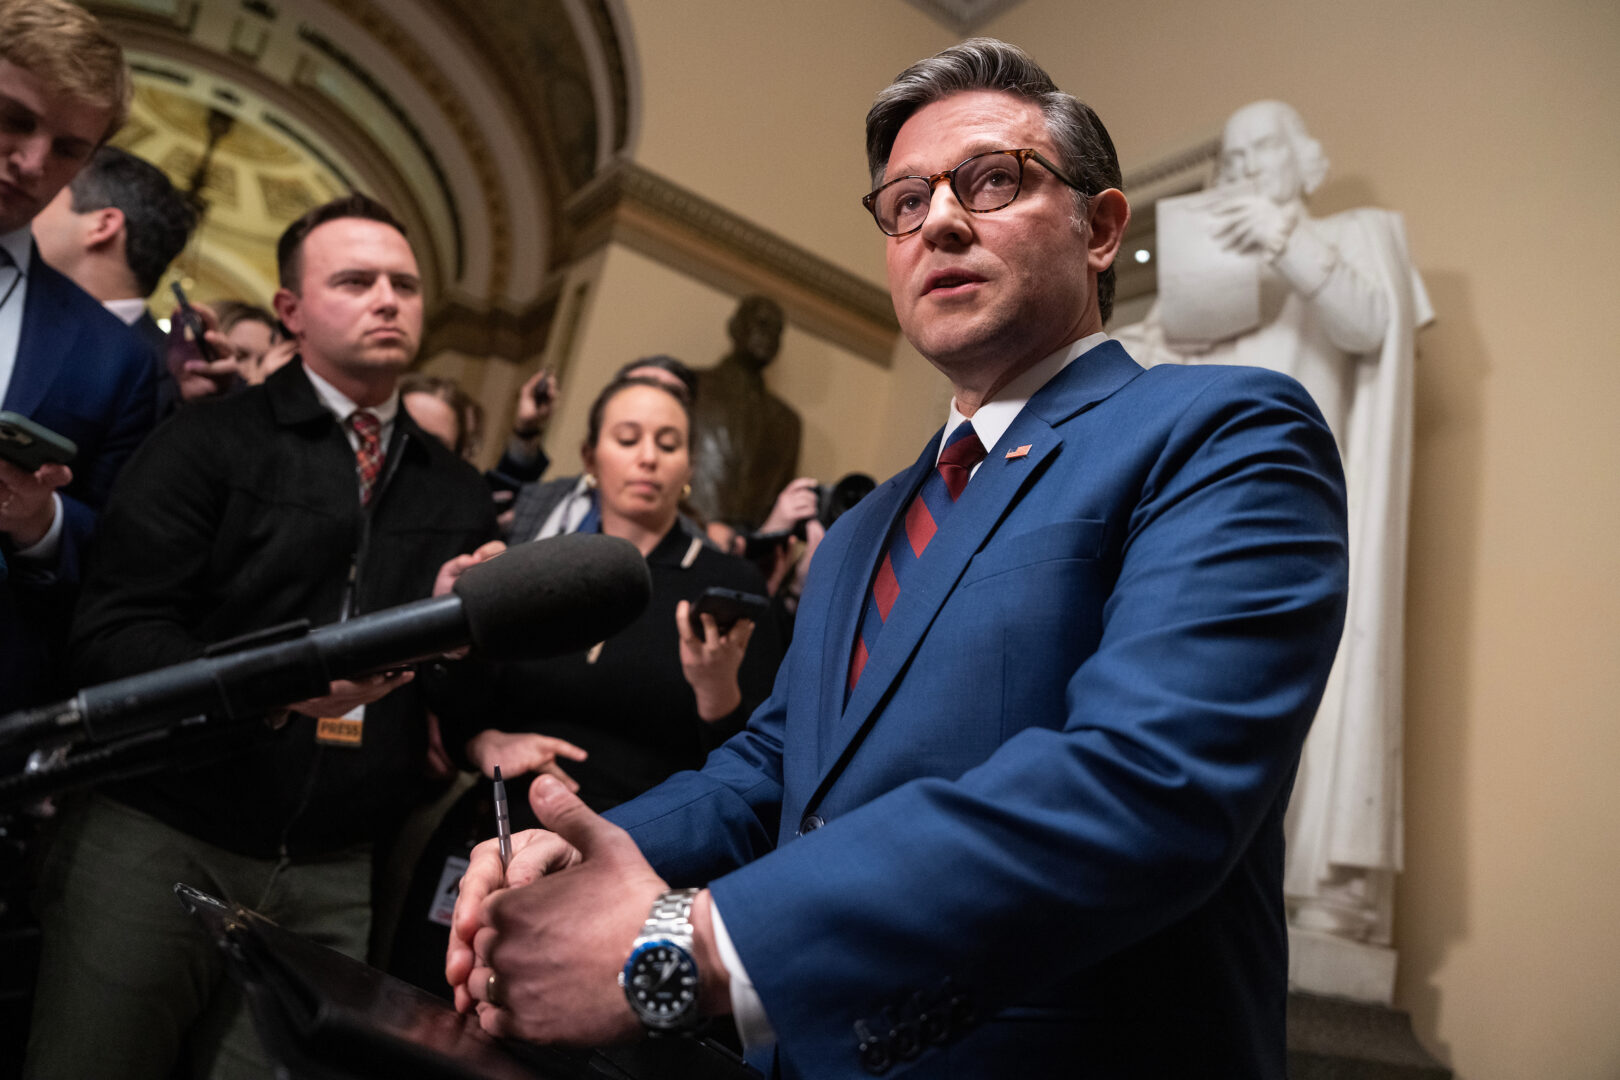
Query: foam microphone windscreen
[[556, 596]]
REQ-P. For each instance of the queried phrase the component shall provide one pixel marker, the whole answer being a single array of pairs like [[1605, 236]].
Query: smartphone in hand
[[194, 323], [28, 445], [541, 393], [727, 606]]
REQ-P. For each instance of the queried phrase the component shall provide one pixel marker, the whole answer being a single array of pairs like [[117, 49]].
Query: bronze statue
[[747, 438]]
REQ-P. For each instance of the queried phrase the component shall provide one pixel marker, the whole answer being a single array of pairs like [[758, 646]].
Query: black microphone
[[535, 600]]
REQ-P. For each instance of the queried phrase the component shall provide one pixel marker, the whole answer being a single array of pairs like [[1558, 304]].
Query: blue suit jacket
[[84, 374], [1052, 839]]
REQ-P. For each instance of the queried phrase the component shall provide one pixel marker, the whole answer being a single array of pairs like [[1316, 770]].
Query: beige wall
[[1492, 126], [638, 307], [773, 133], [761, 108]]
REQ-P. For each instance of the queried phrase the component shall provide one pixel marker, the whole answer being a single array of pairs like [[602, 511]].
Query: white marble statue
[[1338, 305]]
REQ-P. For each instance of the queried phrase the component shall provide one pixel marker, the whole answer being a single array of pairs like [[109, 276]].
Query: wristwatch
[[660, 979]]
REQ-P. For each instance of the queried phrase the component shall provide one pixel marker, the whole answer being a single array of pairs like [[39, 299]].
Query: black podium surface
[[325, 1016]]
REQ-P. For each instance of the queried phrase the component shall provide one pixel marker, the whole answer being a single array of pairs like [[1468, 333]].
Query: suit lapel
[[45, 341], [865, 548], [982, 505], [998, 484]]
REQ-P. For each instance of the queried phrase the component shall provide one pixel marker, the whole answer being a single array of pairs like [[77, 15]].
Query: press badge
[[344, 731], [444, 897]]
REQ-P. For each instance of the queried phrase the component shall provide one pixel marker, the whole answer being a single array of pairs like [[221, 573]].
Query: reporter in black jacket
[[278, 503]]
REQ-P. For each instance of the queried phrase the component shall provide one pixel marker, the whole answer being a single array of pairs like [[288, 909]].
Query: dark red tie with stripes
[[922, 519], [368, 455]]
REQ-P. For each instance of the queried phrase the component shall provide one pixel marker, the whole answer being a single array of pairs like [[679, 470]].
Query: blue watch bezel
[[687, 1017]]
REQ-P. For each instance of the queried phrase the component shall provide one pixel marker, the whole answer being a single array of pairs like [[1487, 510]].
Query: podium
[[325, 1016]]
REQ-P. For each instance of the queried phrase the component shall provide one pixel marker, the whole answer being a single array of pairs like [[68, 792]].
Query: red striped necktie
[[368, 455], [922, 519]]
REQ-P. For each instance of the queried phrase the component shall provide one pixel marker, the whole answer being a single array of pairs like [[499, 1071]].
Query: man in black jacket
[[311, 497]]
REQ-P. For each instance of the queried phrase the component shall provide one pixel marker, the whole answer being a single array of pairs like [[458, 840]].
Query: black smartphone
[[727, 606], [28, 445], [194, 323], [541, 392]]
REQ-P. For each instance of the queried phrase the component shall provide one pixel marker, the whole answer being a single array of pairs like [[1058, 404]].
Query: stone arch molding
[[475, 122]]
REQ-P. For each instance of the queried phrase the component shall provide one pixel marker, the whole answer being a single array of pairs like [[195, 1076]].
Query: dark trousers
[[129, 984]]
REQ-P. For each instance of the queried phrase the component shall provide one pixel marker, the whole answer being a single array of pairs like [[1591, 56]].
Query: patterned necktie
[[923, 518], [368, 455]]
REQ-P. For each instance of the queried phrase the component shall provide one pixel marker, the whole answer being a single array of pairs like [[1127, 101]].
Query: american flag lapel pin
[[1019, 451]]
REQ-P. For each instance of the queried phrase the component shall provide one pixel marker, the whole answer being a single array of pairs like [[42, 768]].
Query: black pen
[[503, 823]]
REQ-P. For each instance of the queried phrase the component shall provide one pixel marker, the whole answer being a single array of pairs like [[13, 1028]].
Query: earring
[[686, 491], [590, 481]]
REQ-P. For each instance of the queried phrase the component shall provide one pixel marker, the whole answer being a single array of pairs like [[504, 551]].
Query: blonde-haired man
[[65, 362], [64, 46]]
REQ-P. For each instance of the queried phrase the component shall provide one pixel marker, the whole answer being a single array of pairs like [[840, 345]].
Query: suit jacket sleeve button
[[810, 824], [905, 1042], [934, 1026], [872, 1050]]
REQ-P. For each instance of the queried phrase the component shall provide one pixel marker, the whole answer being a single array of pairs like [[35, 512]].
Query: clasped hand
[[556, 926], [1254, 224]]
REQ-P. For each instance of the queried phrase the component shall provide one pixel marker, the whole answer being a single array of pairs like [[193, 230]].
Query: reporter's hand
[[276, 357], [813, 535], [455, 567], [345, 694], [797, 502], [558, 944], [710, 664], [27, 505], [535, 853], [518, 753], [199, 378], [531, 419]]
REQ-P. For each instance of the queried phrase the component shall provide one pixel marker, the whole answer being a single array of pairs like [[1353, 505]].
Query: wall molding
[[1175, 173], [456, 325], [636, 207]]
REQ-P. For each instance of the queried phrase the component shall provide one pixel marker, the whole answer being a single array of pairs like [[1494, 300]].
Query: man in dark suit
[[65, 362], [1015, 807]]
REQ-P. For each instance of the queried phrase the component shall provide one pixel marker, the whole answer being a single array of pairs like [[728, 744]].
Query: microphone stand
[[60, 770]]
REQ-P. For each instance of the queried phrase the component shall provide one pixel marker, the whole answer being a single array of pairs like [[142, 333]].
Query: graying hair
[[1084, 150]]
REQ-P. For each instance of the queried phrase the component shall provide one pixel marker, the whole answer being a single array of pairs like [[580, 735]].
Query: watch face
[[661, 981]]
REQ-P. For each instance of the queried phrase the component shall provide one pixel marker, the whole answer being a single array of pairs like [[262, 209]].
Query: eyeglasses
[[982, 184]]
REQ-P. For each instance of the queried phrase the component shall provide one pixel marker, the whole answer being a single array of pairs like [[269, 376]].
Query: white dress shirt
[[129, 310], [19, 245]]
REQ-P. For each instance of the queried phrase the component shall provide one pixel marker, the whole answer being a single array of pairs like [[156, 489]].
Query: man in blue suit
[[65, 361], [1015, 807]]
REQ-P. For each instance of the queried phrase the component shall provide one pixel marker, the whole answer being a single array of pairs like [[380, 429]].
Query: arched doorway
[[475, 123]]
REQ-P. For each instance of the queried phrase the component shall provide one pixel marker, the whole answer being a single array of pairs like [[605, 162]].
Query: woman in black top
[[650, 701], [655, 698]]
